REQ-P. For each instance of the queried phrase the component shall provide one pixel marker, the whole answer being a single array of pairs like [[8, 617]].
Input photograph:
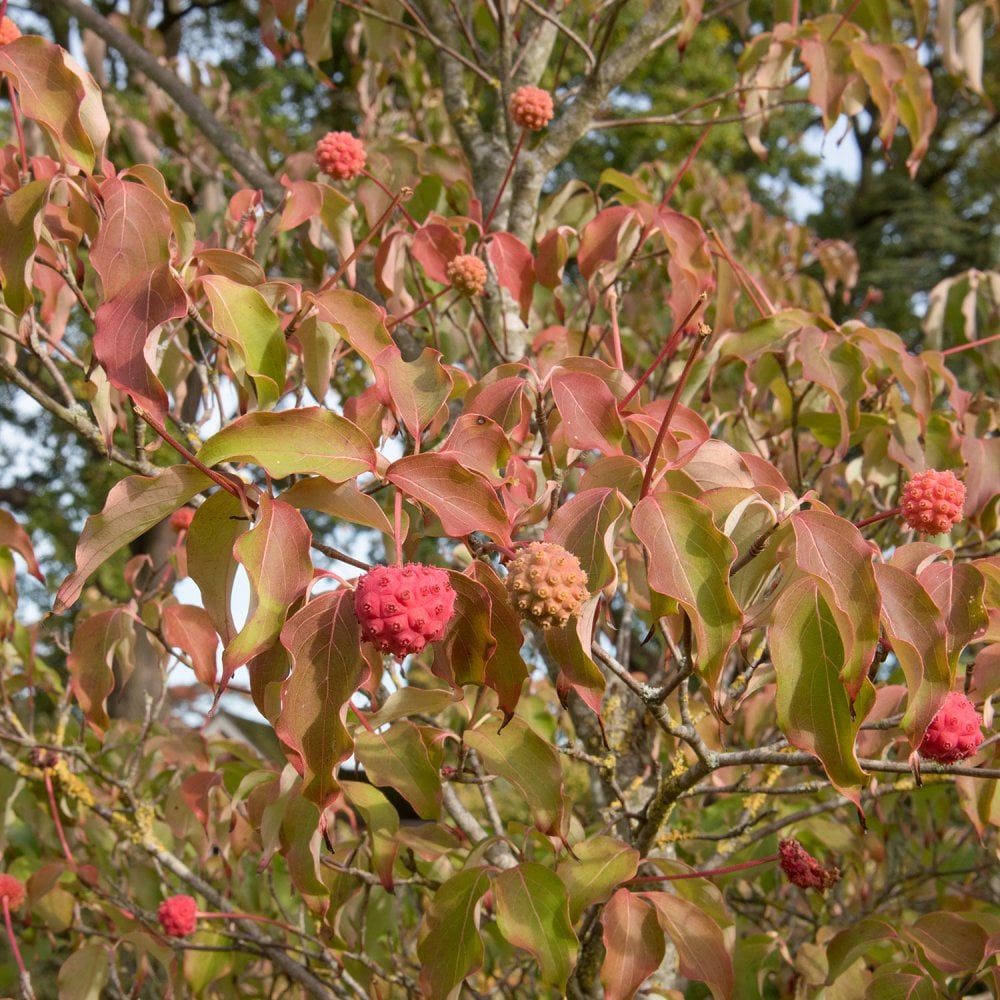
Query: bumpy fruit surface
[[178, 915], [12, 889], [181, 519], [341, 155], [467, 274], [954, 733], [402, 608], [546, 584], [531, 108], [8, 31], [803, 869], [932, 501]]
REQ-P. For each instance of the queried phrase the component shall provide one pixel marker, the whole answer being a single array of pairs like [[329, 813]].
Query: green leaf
[[411, 700], [21, 224], [952, 943], [55, 92], [303, 834], [533, 913], [958, 589], [689, 560], [202, 968], [519, 755], [461, 656], [325, 644], [834, 552], [308, 440], [570, 649], [398, 758], [701, 947], [243, 316], [84, 974], [381, 822], [915, 627], [357, 319], [275, 555], [450, 945], [813, 707], [838, 365], [854, 942], [599, 866], [343, 501], [133, 506], [463, 500], [633, 944]]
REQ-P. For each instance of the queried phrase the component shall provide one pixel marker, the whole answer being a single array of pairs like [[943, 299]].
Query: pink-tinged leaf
[[951, 942], [133, 506], [21, 224], [343, 501], [958, 589], [690, 266], [833, 81], [529, 763], [834, 552], [267, 671], [381, 823], [462, 499], [414, 390], [301, 441], [434, 245], [55, 92], [982, 479], [181, 221], [217, 525], [505, 401], [692, 11], [460, 657], [325, 643], [479, 444], [357, 319], [506, 670], [589, 412], [553, 252], [134, 238], [515, 268], [633, 943], [189, 628], [701, 947], [123, 327], [813, 708], [398, 758], [569, 648], [596, 868], [916, 629], [533, 913], [96, 641], [601, 238], [586, 525], [13, 536], [689, 560], [195, 789], [901, 89], [980, 801], [275, 555], [450, 946], [251, 327]]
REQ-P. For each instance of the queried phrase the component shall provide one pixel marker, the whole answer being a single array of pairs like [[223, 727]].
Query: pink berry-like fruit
[[932, 501], [402, 608], [531, 108], [8, 31], [178, 915], [341, 155], [954, 733], [181, 519], [12, 889], [546, 584], [467, 274], [803, 869]]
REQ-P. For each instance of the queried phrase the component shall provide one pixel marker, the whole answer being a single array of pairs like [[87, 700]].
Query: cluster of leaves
[[654, 381]]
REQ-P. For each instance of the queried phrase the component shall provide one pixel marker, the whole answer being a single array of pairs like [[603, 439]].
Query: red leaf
[[189, 628], [633, 942], [515, 267], [325, 643], [13, 536], [124, 325], [589, 411], [433, 247], [95, 643], [601, 238]]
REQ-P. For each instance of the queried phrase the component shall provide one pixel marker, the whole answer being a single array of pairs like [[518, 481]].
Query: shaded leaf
[[13, 536], [600, 864], [357, 319], [951, 942], [96, 641], [461, 655], [586, 525], [84, 974], [189, 628], [398, 758], [21, 223], [343, 501], [415, 390]]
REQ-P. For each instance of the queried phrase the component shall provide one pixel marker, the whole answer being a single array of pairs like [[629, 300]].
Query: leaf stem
[[26, 989], [875, 518], [503, 183], [15, 113], [58, 821], [409, 218], [397, 525], [392, 321], [971, 345], [647, 479], [708, 873]]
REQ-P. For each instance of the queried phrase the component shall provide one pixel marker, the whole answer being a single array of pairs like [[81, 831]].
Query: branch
[[244, 161]]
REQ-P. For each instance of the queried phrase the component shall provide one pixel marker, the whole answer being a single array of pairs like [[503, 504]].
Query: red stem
[[16, 115], [709, 873], [25, 978], [409, 218], [970, 346], [647, 479], [757, 294], [396, 320], [875, 518], [667, 347], [397, 525], [247, 916], [503, 183], [616, 337], [58, 822], [679, 176]]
